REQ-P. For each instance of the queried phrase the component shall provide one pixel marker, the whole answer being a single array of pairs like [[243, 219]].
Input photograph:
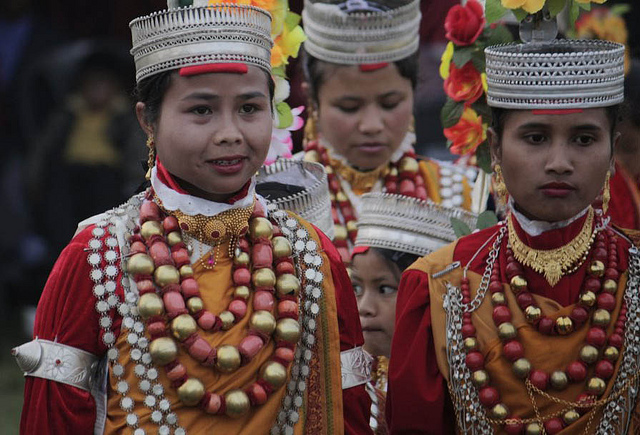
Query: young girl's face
[[214, 131], [375, 281], [365, 115]]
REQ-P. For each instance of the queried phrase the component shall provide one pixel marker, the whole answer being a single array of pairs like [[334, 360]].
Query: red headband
[[359, 250], [556, 111], [372, 67], [232, 68]]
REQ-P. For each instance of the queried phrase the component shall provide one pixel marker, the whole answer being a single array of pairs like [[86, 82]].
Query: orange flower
[[463, 84], [467, 134]]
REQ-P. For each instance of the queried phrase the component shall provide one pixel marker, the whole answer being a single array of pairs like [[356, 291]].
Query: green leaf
[[285, 117], [486, 219], [483, 157], [451, 113], [574, 13], [499, 35], [483, 110], [462, 55], [520, 14], [292, 20], [459, 227], [620, 9], [479, 61], [556, 6], [585, 6], [494, 11]]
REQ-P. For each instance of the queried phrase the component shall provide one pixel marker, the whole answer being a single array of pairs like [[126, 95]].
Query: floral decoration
[[496, 9]]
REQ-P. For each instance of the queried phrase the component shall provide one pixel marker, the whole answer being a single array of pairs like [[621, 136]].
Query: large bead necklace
[[402, 177], [171, 305], [599, 351]]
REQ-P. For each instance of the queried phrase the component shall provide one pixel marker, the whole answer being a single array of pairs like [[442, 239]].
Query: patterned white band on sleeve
[[356, 367]]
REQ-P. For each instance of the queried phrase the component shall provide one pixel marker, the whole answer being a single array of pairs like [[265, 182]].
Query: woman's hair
[[630, 109], [401, 260], [151, 91]]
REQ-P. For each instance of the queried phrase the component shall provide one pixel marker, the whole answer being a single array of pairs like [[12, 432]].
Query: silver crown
[[407, 224], [201, 34], [357, 38], [313, 203], [561, 74]]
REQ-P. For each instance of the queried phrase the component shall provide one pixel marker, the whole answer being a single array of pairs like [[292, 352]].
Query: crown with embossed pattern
[[200, 34], [407, 224], [359, 32]]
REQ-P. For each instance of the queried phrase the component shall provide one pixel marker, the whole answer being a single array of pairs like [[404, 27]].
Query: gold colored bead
[[518, 284], [533, 429], [274, 374], [260, 227], [150, 229], [287, 285], [195, 304], [571, 416], [610, 286], [163, 350], [341, 197], [140, 264], [328, 169], [559, 380], [263, 321], [149, 305], [165, 275], [588, 354], [532, 313], [174, 237], [596, 268], [470, 343], [228, 359], [228, 319], [242, 291], [191, 392], [311, 156], [506, 331], [393, 172], [611, 353], [183, 326], [498, 298], [281, 247], [596, 386], [287, 330], [237, 403], [263, 277], [500, 411], [522, 368], [186, 271], [242, 259], [340, 232], [480, 378], [352, 226], [588, 298], [332, 197], [601, 317], [408, 164], [564, 325]]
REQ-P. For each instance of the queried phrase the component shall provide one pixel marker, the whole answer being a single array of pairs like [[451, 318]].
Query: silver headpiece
[[407, 224], [359, 33], [201, 34], [560, 74], [309, 197]]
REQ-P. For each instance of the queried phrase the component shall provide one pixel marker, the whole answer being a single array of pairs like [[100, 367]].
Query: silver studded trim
[[308, 262]]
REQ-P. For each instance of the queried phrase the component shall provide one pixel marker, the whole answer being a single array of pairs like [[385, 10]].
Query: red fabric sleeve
[[356, 401], [66, 314], [417, 398]]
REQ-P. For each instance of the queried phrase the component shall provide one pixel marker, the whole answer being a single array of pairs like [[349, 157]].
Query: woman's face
[[214, 131], [554, 165], [364, 115], [375, 281]]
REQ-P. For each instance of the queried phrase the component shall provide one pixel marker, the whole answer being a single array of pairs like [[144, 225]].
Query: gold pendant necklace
[[358, 180], [553, 263]]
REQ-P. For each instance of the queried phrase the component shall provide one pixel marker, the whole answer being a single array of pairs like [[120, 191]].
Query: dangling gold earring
[[311, 127], [152, 156], [606, 193], [500, 187], [412, 125]]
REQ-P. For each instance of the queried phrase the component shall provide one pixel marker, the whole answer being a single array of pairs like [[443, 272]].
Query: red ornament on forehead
[[231, 68], [556, 111], [372, 66]]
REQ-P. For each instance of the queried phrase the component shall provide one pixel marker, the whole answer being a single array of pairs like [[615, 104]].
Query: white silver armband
[[356, 367]]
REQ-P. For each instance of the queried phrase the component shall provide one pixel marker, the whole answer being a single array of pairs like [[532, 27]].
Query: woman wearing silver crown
[[361, 70], [530, 326], [192, 308]]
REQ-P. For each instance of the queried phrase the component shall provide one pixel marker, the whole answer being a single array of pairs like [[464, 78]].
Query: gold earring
[[152, 156], [606, 193], [499, 186], [311, 128]]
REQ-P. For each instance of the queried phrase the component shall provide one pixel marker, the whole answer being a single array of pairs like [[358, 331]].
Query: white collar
[[406, 145], [535, 228]]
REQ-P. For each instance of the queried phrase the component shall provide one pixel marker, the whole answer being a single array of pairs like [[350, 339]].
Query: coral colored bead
[[576, 371], [156, 328], [474, 360], [596, 337], [612, 274], [261, 255], [160, 253], [347, 213], [421, 192], [513, 269], [249, 347], [391, 186], [586, 400], [207, 320], [545, 325], [180, 257], [177, 372], [495, 286], [513, 350], [241, 276], [334, 215], [619, 331], [170, 224], [238, 308], [525, 299], [604, 369], [592, 284], [189, 288], [284, 267], [501, 314], [285, 354], [514, 428], [600, 254], [257, 394], [407, 188], [489, 396], [606, 301], [174, 303], [200, 349], [539, 379], [263, 300], [149, 211], [468, 330], [213, 404], [145, 286], [258, 210], [288, 309], [138, 248], [616, 340], [579, 315], [554, 425]]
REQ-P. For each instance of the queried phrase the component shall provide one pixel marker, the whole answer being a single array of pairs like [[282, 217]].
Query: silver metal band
[[356, 367]]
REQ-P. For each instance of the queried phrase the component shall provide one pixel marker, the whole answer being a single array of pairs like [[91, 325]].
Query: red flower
[[465, 23], [467, 134], [463, 84]]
